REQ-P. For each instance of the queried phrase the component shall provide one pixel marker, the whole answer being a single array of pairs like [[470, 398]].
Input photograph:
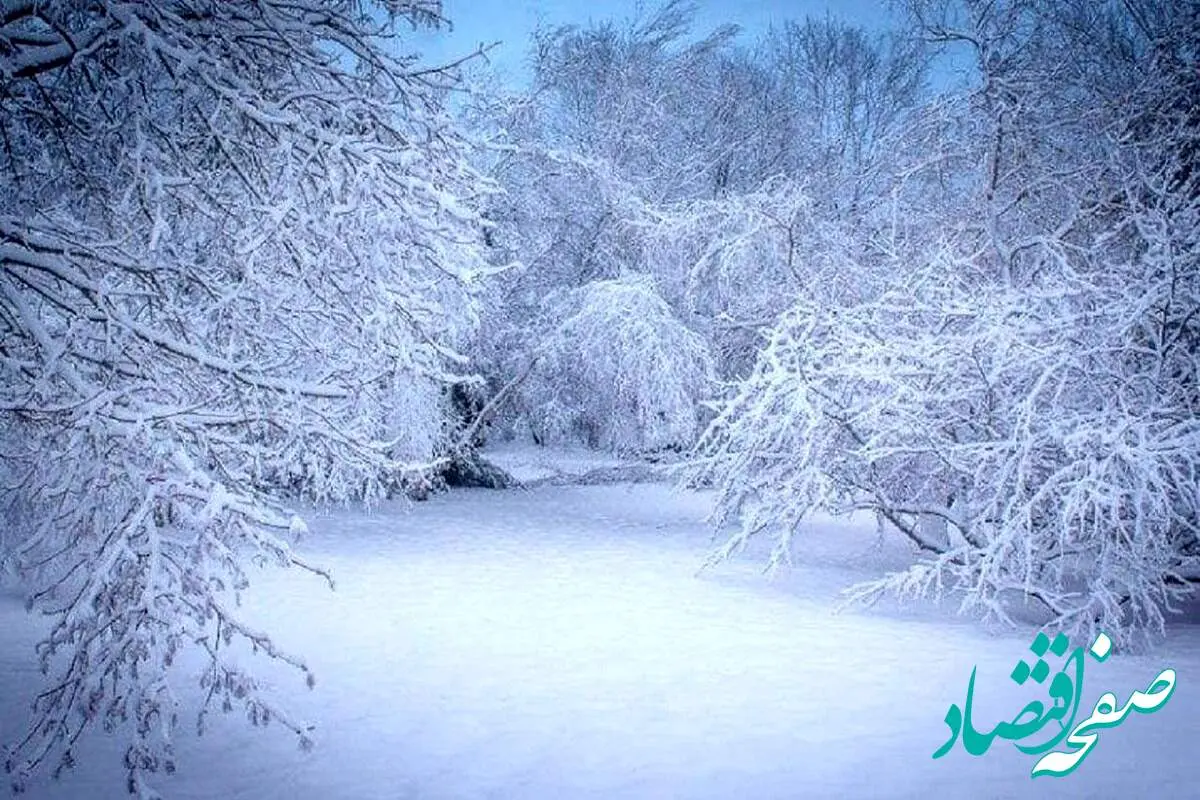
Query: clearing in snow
[[558, 642]]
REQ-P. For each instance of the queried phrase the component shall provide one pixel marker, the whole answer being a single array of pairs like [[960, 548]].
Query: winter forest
[[468, 432]]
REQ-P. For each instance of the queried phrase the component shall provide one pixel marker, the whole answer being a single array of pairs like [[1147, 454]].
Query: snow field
[[558, 643]]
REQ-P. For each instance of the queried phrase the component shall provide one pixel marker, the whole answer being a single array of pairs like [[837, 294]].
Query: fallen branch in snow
[[465, 467], [489, 410], [476, 472]]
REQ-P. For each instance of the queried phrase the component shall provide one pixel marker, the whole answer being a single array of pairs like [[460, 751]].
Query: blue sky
[[511, 21]]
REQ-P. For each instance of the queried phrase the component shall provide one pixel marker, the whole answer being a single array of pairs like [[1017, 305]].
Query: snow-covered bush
[[618, 371], [231, 234], [1019, 439], [1021, 400]]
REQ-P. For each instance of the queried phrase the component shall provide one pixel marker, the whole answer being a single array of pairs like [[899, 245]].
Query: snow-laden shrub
[[618, 371], [1018, 392], [1042, 442]]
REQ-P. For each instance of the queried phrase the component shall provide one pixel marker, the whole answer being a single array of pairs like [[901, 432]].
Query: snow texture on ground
[[558, 643]]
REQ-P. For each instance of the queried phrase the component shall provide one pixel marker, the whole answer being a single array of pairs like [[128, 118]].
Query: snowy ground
[[557, 643]]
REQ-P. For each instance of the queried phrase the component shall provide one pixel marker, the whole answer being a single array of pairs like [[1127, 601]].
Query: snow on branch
[[226, 258], [618, 371], [1018, 396]]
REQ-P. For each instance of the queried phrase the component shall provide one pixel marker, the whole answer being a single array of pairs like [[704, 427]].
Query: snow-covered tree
[[836, 93], [713, 168], [617, 371], [1019, 398], [237, 249], [733, 264]]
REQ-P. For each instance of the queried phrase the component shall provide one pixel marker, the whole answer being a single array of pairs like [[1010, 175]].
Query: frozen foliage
[[728, 175], [1022, 399], [618, 371], [734, 264], [242, 251], [1007, 433], [230, 234]]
